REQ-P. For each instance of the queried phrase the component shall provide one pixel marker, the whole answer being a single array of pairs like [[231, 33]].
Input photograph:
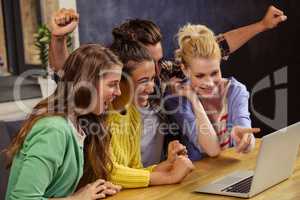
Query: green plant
[[42, 41]]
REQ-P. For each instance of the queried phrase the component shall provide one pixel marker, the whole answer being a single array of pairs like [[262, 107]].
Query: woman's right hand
[[182, 166], [174, 84], [96, 190], [184, 89], [64, 21]]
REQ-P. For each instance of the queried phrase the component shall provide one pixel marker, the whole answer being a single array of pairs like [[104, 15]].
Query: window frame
[[14, 37]]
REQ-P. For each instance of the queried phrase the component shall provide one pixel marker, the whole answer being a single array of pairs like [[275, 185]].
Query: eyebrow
[[146, 78], [114, 81], [200, 74], [143, 79], [215, 71]]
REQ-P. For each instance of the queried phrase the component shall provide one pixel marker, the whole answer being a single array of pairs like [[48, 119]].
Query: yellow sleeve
[[129, 177], [132, 175], [150, 168]]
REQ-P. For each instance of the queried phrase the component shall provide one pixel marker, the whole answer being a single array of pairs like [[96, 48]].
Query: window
[[3, 53], [30, 20], [19, 20]]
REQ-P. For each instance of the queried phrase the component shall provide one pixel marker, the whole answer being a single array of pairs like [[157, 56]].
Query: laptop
[[274, 164]]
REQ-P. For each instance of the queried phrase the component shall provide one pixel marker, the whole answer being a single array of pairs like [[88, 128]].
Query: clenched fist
[[273, 17], [64, 21]]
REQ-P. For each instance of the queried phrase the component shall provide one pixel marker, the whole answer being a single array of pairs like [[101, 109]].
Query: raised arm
[[63, 22], [238, 37]]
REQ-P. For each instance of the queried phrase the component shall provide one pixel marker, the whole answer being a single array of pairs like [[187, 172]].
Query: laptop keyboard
[[240, 187]]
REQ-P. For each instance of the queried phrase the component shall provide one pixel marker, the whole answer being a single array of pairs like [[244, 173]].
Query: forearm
[[128, 177], [238, 37], [176, 174], [163, 167], [58, 52], [160, 178], [207, 137]]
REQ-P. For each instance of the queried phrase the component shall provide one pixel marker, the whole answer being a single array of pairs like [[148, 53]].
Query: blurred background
[[268, 64]]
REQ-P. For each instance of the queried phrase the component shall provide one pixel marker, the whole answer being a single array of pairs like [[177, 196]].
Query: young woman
[[46, 157], [125, 123], [211, 111]]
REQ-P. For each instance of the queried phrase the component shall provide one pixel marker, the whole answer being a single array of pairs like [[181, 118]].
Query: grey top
[[152, 138]]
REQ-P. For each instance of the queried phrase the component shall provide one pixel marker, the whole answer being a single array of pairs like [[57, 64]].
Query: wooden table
[[210, 169]]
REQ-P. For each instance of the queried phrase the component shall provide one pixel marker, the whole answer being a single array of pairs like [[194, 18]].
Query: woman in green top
[[46, 157]]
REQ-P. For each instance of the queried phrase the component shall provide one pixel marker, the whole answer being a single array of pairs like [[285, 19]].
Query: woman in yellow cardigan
[[124, 123]]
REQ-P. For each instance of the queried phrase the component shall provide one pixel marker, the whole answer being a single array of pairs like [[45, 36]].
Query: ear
[[185, 70]]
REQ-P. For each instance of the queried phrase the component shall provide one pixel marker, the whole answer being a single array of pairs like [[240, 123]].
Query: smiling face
[[205, 76], [143, 82], [107, 90], [156, 52]]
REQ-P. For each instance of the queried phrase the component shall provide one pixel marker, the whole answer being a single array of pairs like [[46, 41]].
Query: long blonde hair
[[196, 41]]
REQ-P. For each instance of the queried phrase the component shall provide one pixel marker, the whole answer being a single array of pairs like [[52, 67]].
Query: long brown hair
[[84, 64]]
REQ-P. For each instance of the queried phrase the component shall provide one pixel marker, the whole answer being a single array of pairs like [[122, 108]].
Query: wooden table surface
[[210, 169]]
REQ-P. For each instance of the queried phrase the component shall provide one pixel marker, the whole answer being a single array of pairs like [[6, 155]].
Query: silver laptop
[[274, 164]]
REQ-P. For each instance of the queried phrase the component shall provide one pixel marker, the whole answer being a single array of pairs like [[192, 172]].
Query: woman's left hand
[[175, 148], [245, 141]]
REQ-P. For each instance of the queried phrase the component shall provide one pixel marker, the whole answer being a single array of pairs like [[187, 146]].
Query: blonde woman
[[211, 111]]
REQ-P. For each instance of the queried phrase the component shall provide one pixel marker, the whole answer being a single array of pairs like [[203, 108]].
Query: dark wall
[[255, 61]]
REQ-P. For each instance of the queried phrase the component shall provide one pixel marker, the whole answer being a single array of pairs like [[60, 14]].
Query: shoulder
[[52, 127], [131, 113], [54, 132], [55, 121], [52, 122], [237, 88]]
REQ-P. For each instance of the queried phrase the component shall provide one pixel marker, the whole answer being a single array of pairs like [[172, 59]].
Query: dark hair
[[144, 31], [130, 52], [84, 64], [129, 40]]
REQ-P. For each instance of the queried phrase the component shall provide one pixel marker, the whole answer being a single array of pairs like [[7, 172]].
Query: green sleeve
[[43, 153]]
